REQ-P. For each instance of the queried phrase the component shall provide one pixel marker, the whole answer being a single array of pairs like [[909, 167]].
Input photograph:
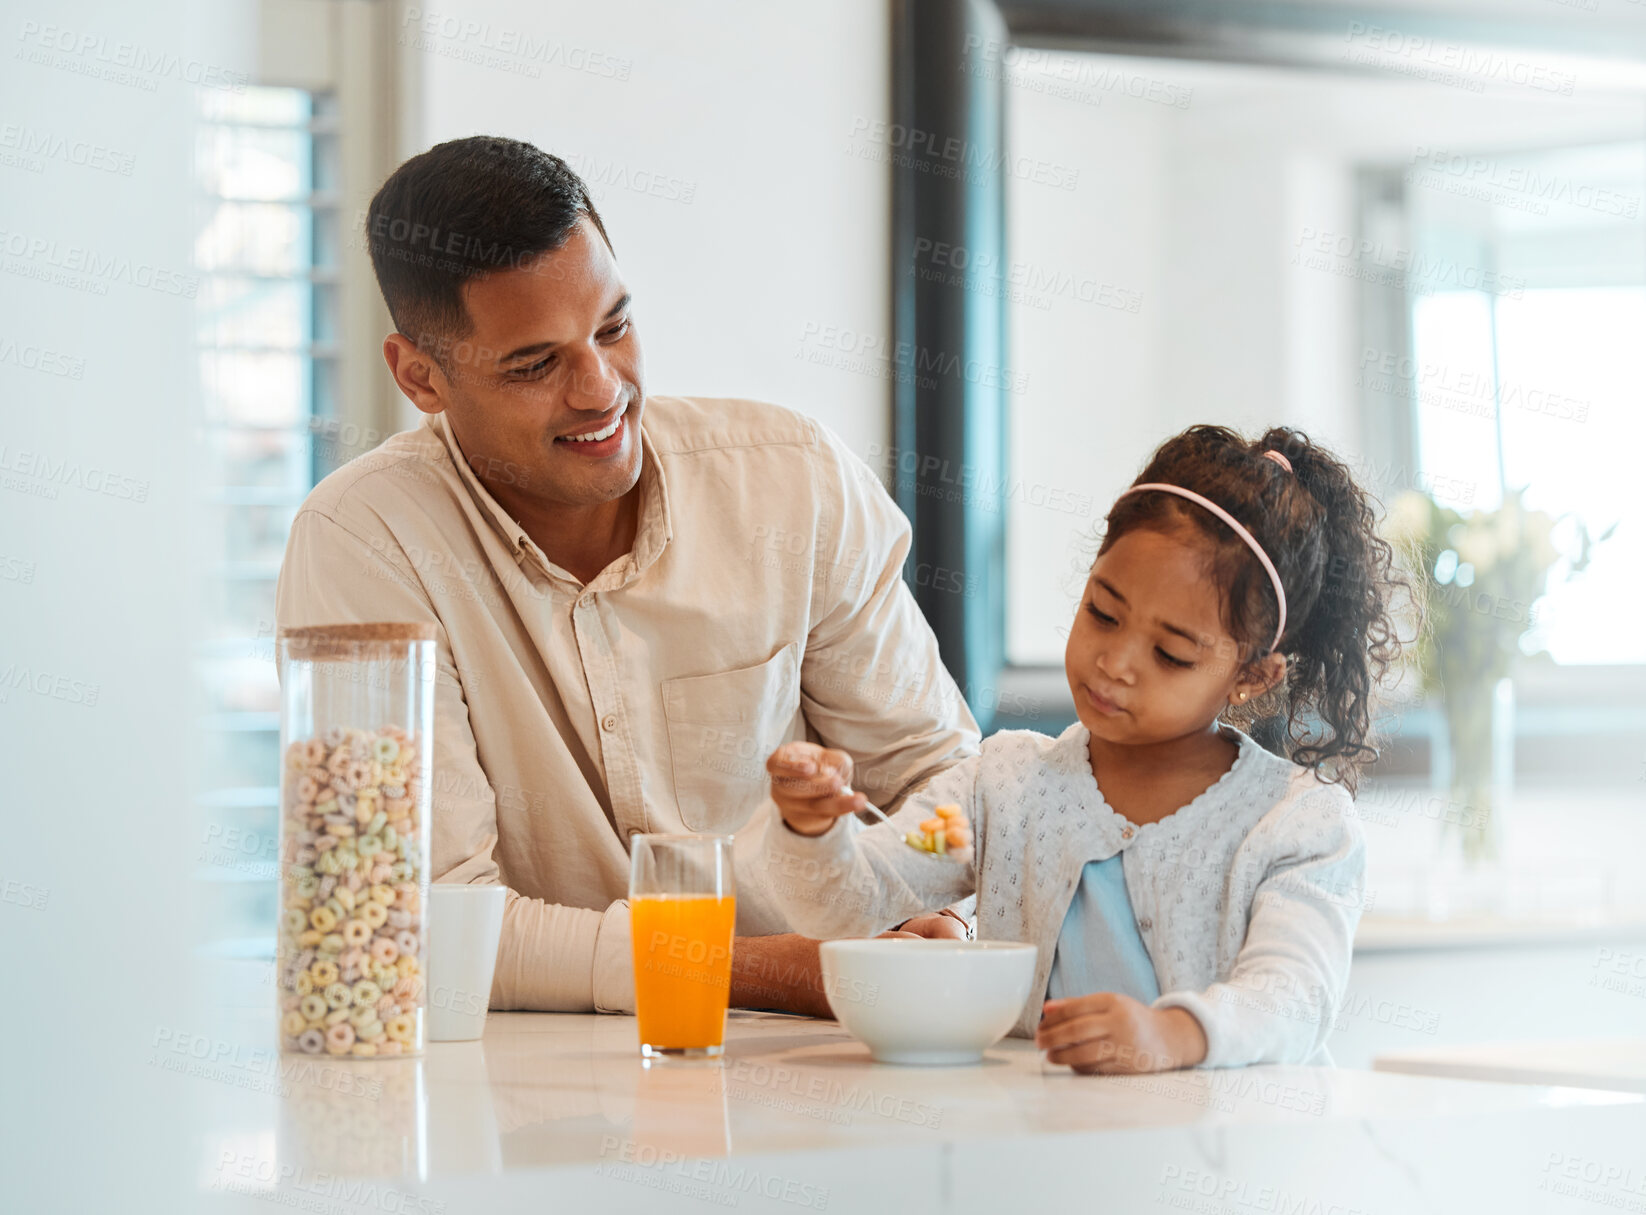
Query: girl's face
[[1149, 659]]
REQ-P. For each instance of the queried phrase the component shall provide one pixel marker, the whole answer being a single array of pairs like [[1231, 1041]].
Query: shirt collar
[[656, 519], [652, 535], [499, 518]]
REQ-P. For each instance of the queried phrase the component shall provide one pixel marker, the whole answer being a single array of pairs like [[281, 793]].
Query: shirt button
[[608, 723], [1126, 833], [586, 602], [1145, 923]]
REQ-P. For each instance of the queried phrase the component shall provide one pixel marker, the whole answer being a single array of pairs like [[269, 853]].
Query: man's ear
[[416, 373]]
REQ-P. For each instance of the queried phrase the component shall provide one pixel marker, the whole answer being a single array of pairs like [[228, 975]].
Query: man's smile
[[602, 440]]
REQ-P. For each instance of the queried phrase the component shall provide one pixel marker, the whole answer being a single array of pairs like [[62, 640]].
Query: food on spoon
[[946, 833]]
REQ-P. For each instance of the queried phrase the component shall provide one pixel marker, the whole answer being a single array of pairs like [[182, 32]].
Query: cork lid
[[353, 641]]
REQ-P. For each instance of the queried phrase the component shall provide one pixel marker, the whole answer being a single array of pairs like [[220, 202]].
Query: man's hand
[[781, 972], [785, 972], [812, 786], [1116, 1035]]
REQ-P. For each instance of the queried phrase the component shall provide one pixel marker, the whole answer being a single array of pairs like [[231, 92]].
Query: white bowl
[[927, 1002]]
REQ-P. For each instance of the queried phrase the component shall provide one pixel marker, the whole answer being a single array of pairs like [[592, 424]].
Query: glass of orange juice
[[682, 912]]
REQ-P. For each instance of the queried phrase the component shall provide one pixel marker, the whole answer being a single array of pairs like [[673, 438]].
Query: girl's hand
[[935, 926], [1116, 1035], [812, 786]]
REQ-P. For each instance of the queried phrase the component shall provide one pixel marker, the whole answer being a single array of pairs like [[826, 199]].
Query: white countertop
[[1618, 1064], [556, 1113]]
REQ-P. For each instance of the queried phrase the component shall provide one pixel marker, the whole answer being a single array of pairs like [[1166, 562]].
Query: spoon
[[868, 805]]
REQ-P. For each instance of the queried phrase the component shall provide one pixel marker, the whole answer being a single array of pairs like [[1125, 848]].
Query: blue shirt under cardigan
[[1099, 947]]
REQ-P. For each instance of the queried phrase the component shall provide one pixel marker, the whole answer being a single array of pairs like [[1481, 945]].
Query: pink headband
[[1234, 524]]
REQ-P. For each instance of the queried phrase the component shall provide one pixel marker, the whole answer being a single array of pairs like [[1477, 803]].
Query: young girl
[[1194, 896]]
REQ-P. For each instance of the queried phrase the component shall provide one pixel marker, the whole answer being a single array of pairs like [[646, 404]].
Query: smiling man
[[637, 598]]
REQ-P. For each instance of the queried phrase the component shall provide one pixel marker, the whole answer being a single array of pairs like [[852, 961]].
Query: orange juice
[[682, 968]]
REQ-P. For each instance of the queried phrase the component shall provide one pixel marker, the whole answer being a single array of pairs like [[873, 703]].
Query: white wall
[[766, 228], [1086, 345]]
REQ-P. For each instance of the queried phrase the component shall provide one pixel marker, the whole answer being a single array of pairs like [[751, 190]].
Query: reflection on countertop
[[555, 1091]]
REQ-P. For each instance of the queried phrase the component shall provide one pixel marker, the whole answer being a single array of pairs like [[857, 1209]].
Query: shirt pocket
[[721, 729]]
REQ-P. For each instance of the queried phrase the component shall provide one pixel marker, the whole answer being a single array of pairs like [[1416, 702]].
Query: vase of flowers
[[1478, 577]]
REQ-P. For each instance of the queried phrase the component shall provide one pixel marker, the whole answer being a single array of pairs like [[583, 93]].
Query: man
[[638, 598]]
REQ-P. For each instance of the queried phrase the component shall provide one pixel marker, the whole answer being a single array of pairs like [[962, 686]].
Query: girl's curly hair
[[1319, 529]]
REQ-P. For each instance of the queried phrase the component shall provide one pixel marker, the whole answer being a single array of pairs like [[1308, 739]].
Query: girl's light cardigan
[[1247, 898]]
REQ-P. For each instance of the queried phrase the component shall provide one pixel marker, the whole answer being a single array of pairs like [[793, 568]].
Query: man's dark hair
[[463, 209]]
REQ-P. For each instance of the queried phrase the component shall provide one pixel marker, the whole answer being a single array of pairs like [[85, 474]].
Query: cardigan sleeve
[[1285, 988], [847, 883]]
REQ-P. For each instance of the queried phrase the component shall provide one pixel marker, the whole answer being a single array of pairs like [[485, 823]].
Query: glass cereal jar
[[356, 741]]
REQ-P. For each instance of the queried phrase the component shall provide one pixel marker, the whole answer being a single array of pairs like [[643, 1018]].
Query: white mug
[[465, 924]]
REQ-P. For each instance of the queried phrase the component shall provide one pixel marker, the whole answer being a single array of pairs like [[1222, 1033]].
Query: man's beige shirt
[[763, 601]]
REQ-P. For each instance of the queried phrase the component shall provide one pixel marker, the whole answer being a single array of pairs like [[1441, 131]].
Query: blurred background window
[[1539, 383], [267, 252]]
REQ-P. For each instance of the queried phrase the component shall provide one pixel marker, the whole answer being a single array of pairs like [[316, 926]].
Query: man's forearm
[[781, 972]]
